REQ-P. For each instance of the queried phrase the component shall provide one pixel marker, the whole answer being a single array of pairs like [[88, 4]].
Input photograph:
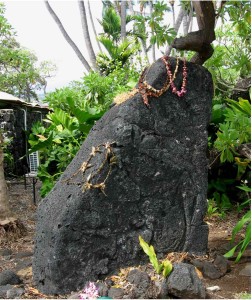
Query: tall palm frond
[[111, 23], [116, 53]]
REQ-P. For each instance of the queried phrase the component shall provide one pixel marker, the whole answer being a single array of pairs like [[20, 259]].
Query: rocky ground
[[16, 256]]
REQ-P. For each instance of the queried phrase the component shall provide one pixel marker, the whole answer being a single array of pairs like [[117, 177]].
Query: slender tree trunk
[[191, 19], [86, 34], [176, 28], [93, 26], [152, 33], [186, 22], [10, 226], [5, 211], [123, 20], [144, 47], [131, 7], [67, 37], [173, 14]]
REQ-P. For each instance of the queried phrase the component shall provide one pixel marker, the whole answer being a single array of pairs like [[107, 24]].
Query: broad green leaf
[[246, 218], [59, 127], [217, 113], [244, 188], [149, 250], [231, 252], [245, 242], [42, 144], [167, 268], [242, 106]]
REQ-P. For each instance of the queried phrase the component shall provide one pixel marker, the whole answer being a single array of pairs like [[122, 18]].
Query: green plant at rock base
[[213, 210], [165, 267], [244, 222], [244, 295]]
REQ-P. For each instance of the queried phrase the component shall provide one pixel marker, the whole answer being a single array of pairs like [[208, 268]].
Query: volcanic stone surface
[[155, 188]]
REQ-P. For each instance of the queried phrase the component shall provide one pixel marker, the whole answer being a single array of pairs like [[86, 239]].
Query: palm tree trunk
[[130, 7], [144, 47], [5, 211], [67, 37], [191, 18], [93, 26], [10, 226], [152, 33], [123, 20], [176, 28], [86, 34], [186, 22]]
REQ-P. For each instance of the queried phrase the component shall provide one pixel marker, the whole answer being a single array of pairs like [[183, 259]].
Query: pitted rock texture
[[156, 189]]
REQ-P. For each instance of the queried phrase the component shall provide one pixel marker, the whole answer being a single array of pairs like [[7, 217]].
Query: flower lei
[[90, 292], [146, 89]]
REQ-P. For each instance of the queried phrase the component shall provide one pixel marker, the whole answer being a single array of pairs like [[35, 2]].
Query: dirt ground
[[233, 285]]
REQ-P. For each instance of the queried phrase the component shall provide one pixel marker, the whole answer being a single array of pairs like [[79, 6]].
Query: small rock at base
[[23, 254], [246, 271], [162, 289], [214, 288], [222, 264], [116, 293], [4, 289], [184, 282], [210, 271], [74, 296], [139, 278], [9, 277], [15, 293], [102, 289]]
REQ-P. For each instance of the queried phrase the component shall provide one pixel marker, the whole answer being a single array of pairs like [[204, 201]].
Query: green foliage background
[[20, 73]]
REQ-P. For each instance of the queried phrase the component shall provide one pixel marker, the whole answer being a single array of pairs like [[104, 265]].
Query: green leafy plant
[[230, 128], [219, 188], [232, 134], [59, 142], [212, 209], [243, 223], [236, 129], [165, 267]]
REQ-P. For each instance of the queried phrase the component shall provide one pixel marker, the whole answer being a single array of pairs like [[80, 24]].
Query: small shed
[[16, 119]]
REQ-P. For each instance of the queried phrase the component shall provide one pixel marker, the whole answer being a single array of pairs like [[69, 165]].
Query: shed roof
[[6, 98]]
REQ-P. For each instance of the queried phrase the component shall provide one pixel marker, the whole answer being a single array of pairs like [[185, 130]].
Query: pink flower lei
[[183, 90]]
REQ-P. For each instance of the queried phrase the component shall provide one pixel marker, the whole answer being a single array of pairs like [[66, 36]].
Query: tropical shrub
[[230, 128]]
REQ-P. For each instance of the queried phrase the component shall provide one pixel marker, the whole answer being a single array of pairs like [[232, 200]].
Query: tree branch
[[200, 41]]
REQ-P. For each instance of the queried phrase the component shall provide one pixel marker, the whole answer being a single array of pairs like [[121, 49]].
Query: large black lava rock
[[155, 186]]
